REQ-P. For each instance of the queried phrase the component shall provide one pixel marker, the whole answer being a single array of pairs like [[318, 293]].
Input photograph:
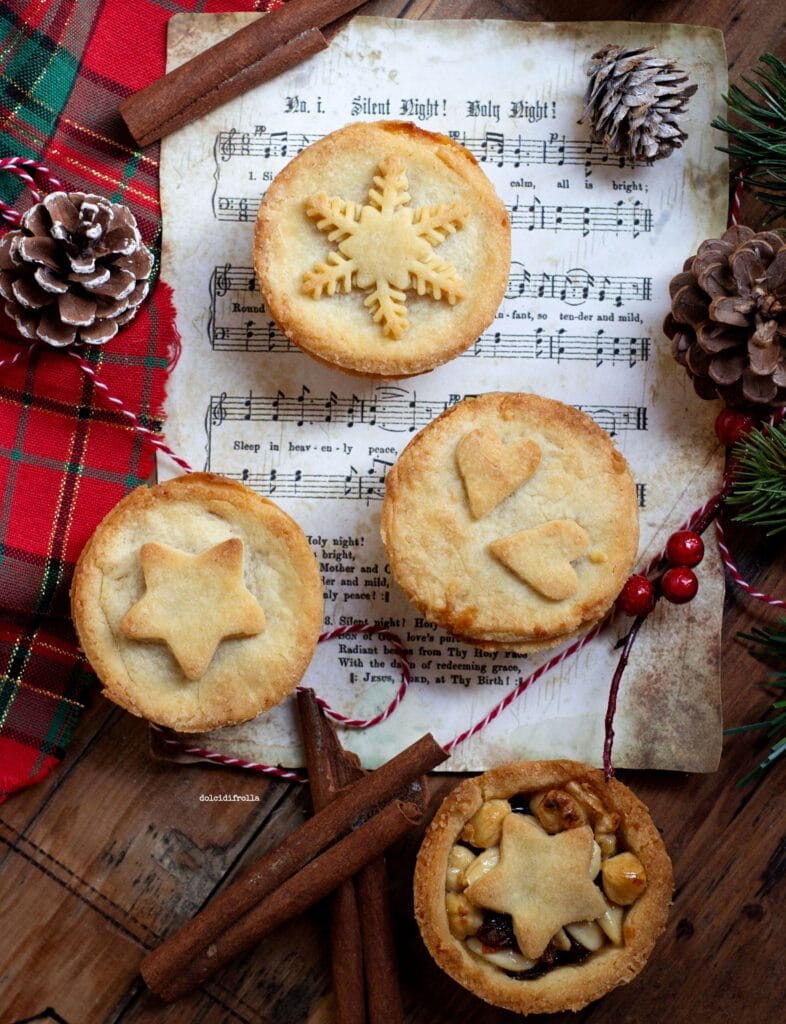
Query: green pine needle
[[760, 479], [768, 645], [758, 147]]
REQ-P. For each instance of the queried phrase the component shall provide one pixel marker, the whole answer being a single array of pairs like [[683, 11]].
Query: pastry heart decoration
[[542, 556], [493, 470]]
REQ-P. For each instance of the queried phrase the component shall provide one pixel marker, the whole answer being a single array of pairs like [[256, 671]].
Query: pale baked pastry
[[197, 603], [540, 887], [382, 249], [511, 521]]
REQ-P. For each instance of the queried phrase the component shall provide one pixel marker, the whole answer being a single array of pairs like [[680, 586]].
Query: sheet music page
[[595, 243]]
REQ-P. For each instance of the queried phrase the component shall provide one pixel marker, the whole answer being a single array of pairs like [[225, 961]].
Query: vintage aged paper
[[595, 242]]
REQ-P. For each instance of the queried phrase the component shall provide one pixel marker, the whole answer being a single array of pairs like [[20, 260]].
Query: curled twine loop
[[25, 169], [347, 722]]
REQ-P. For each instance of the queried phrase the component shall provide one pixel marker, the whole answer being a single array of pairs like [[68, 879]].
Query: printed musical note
[[492, 148], [559, 346], [573, 288], [353, 484], [576, 286]]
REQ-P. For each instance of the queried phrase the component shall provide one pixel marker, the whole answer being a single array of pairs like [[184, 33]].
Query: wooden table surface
[[111, 853]]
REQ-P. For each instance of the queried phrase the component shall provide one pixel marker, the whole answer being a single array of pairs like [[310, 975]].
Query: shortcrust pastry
[[197, 603], [540, 887], [382, 249], [511, 521]]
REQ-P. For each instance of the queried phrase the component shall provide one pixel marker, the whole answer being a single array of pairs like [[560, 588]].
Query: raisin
[[519, 803], [497, 931]]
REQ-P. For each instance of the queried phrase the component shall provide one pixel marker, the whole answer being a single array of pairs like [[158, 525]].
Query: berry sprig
[[640, 595]]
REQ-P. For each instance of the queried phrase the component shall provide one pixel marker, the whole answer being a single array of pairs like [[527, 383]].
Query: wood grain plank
[[136, 832], [24, 806], [59, 950]]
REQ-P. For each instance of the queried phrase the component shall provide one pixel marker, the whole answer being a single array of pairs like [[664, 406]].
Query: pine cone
[[728, 318], [75, 270], [634, 102]]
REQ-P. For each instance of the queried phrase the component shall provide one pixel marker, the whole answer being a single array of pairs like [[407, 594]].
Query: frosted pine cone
[[728, 318], [634, 102], [75, 270]]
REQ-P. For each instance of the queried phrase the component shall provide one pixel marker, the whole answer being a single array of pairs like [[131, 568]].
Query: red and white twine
[[28, 170], [524, 685], [399, 650], [149, 435], [345, 720], [737, 576], [25, 169]]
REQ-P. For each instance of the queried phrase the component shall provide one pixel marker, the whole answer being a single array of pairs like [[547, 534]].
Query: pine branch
[[768, 645], [759, 146], [760, 479]]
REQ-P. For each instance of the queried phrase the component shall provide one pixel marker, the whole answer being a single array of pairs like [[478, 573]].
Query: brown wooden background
[[114, 851]]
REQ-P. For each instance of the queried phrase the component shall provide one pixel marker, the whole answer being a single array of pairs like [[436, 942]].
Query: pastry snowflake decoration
[[386, 248]]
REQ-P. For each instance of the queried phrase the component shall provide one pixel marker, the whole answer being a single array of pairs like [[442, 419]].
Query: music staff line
[[620, 218], [495, 148], [368, 486], [391, 408], [573, 287], [555, 346]]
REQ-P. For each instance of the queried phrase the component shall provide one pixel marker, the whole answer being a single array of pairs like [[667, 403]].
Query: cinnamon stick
[[311, 884], [372, 791], [329, 768], [254, 54], [379, 956]]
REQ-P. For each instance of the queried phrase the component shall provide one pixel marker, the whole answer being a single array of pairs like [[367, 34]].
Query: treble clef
[[218, 412]]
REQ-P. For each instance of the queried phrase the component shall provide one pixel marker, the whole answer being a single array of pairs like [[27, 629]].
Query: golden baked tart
[[382, 249], [197, 603], [511, 521], [540, 887]]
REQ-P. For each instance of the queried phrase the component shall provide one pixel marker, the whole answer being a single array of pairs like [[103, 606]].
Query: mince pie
[[540, 886], [382, 249], [197, 603], [511, 521]]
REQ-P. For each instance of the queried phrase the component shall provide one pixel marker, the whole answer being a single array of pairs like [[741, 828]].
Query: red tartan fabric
[[66, 455]]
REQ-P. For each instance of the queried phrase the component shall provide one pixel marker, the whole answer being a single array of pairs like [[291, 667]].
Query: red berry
[[679, 585], [637, 597], [732, 426], [685, 548]]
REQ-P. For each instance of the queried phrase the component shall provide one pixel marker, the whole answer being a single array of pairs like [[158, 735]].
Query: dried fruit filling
[[541, 880]]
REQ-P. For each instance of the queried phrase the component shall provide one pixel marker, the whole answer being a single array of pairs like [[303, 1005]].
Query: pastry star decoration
[[193, 602], [387, 247], [542, 881]]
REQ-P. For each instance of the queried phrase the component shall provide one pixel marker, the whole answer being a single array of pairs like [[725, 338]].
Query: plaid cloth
[[66, 455]]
